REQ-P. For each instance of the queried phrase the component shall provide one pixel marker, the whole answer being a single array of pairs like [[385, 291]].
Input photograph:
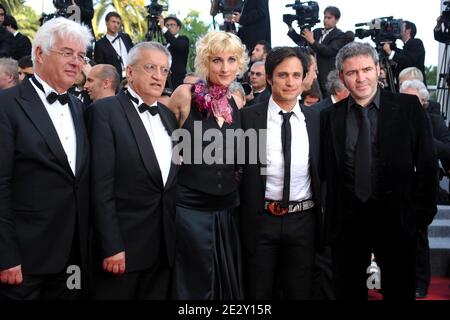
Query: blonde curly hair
[[216, 42]]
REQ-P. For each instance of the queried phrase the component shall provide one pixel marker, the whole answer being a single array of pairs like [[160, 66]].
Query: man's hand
[[115, 264], [12, 275], [161, 22], [308, 35], [387, 48]]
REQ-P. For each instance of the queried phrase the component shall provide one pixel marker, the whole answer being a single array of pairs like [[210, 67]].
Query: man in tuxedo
[[6, 39], [379, 164], [325, 42], [280, 199], [22, 45], [113, 48], [178, 46], [260, 89], [44, 172], [133, 182], [413, 52], [254, 21]]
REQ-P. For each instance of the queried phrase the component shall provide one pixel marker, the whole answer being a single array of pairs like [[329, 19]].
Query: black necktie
[[145, 107], [363, 157], [286, 137], [53, 96]]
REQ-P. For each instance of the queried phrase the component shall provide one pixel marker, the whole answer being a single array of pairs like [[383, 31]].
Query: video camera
[[306, 14], [155, 9], [381, 30], [61, 11]]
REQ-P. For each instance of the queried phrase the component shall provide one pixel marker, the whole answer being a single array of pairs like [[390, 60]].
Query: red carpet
[[439, 290]]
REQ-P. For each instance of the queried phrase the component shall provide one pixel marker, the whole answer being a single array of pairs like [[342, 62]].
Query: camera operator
[[325, 42], [413, 52], [178, 46], [254, 20], [6, 38], [113, 48]]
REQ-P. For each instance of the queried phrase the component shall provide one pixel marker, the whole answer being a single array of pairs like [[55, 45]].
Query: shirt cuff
[[164, 30], [391, 56]]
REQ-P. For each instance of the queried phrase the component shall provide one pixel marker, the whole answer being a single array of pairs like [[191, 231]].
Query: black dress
[[208, 253]]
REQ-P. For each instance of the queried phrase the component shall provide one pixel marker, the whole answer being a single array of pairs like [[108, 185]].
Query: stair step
[[439, 243], [443, 212]]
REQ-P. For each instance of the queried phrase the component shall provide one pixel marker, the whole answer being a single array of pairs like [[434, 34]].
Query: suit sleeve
[[9, 247], [257, 13], [409, 56], [99, 56], [330, 49], [425, 161], [294, 36], [102, 179], [180, 44]]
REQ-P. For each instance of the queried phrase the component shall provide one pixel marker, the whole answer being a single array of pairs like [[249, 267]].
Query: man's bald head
[[102, 81]]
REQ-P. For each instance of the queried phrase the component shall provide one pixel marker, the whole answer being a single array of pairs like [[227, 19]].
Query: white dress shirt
[[62, 121], [159, 137], [300, 184]]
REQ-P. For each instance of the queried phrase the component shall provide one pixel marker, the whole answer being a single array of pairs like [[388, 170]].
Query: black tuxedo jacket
[[412, 55], [323, 104], [22, 46], [407, 164], [255, 23], [441, 136], [179, 49], [253, 185], [6, 43], [104, 52], [87, 12], [41, 200], [133, 211]]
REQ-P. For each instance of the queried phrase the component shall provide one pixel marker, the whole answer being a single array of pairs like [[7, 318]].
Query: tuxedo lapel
[[34, 108], [313, 134], [338, 132], [80, 134], [142, 139], [260, 123], [170, 127]]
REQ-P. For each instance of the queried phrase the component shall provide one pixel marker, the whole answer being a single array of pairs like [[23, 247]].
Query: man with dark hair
[[260, 51], [325, 42], [113, 48], [280, 184], [412, 54], [25, 68], [22, 45], [254, 20], [178, 46], [6, 38], [379, 166]]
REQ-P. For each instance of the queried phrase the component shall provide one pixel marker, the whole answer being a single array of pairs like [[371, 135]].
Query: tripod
[[153, 31], [384, 61], [444, 82]]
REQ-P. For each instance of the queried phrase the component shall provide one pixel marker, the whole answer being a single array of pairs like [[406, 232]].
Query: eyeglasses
[[81, 58], [153, 69], [258, 74]]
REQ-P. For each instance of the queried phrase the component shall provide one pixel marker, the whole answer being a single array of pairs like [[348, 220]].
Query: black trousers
[[283, 259], [366, 229], [149, 284], [423, 267]]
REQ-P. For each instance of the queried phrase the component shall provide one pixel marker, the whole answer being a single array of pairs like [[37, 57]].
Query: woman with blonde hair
[[207, 260]]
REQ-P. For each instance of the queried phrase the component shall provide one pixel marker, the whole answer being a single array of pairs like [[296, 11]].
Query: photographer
[[6, 38], [413, 52], [178, 47], [255, 23], [325, 42]]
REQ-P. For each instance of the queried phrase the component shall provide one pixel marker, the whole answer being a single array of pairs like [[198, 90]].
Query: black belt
[[275, 208]]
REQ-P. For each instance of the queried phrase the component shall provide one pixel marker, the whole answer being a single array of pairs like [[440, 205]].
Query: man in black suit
[[133, 182], [325, 42], [113, 48], [44, 172], [254, 20], [280, 199], [379, 165], [412, 54], [178, 46], [22, 45], [6, 39]]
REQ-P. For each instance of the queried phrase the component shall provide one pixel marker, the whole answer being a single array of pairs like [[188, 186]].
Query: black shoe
[[421, 294]]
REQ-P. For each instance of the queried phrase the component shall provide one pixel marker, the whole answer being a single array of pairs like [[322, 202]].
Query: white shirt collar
[[110, 37], [47, 88], [274, 109], [140, 101]]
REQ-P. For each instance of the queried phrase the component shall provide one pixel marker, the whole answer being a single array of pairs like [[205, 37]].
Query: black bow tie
[[144, 107], [62, 98]]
